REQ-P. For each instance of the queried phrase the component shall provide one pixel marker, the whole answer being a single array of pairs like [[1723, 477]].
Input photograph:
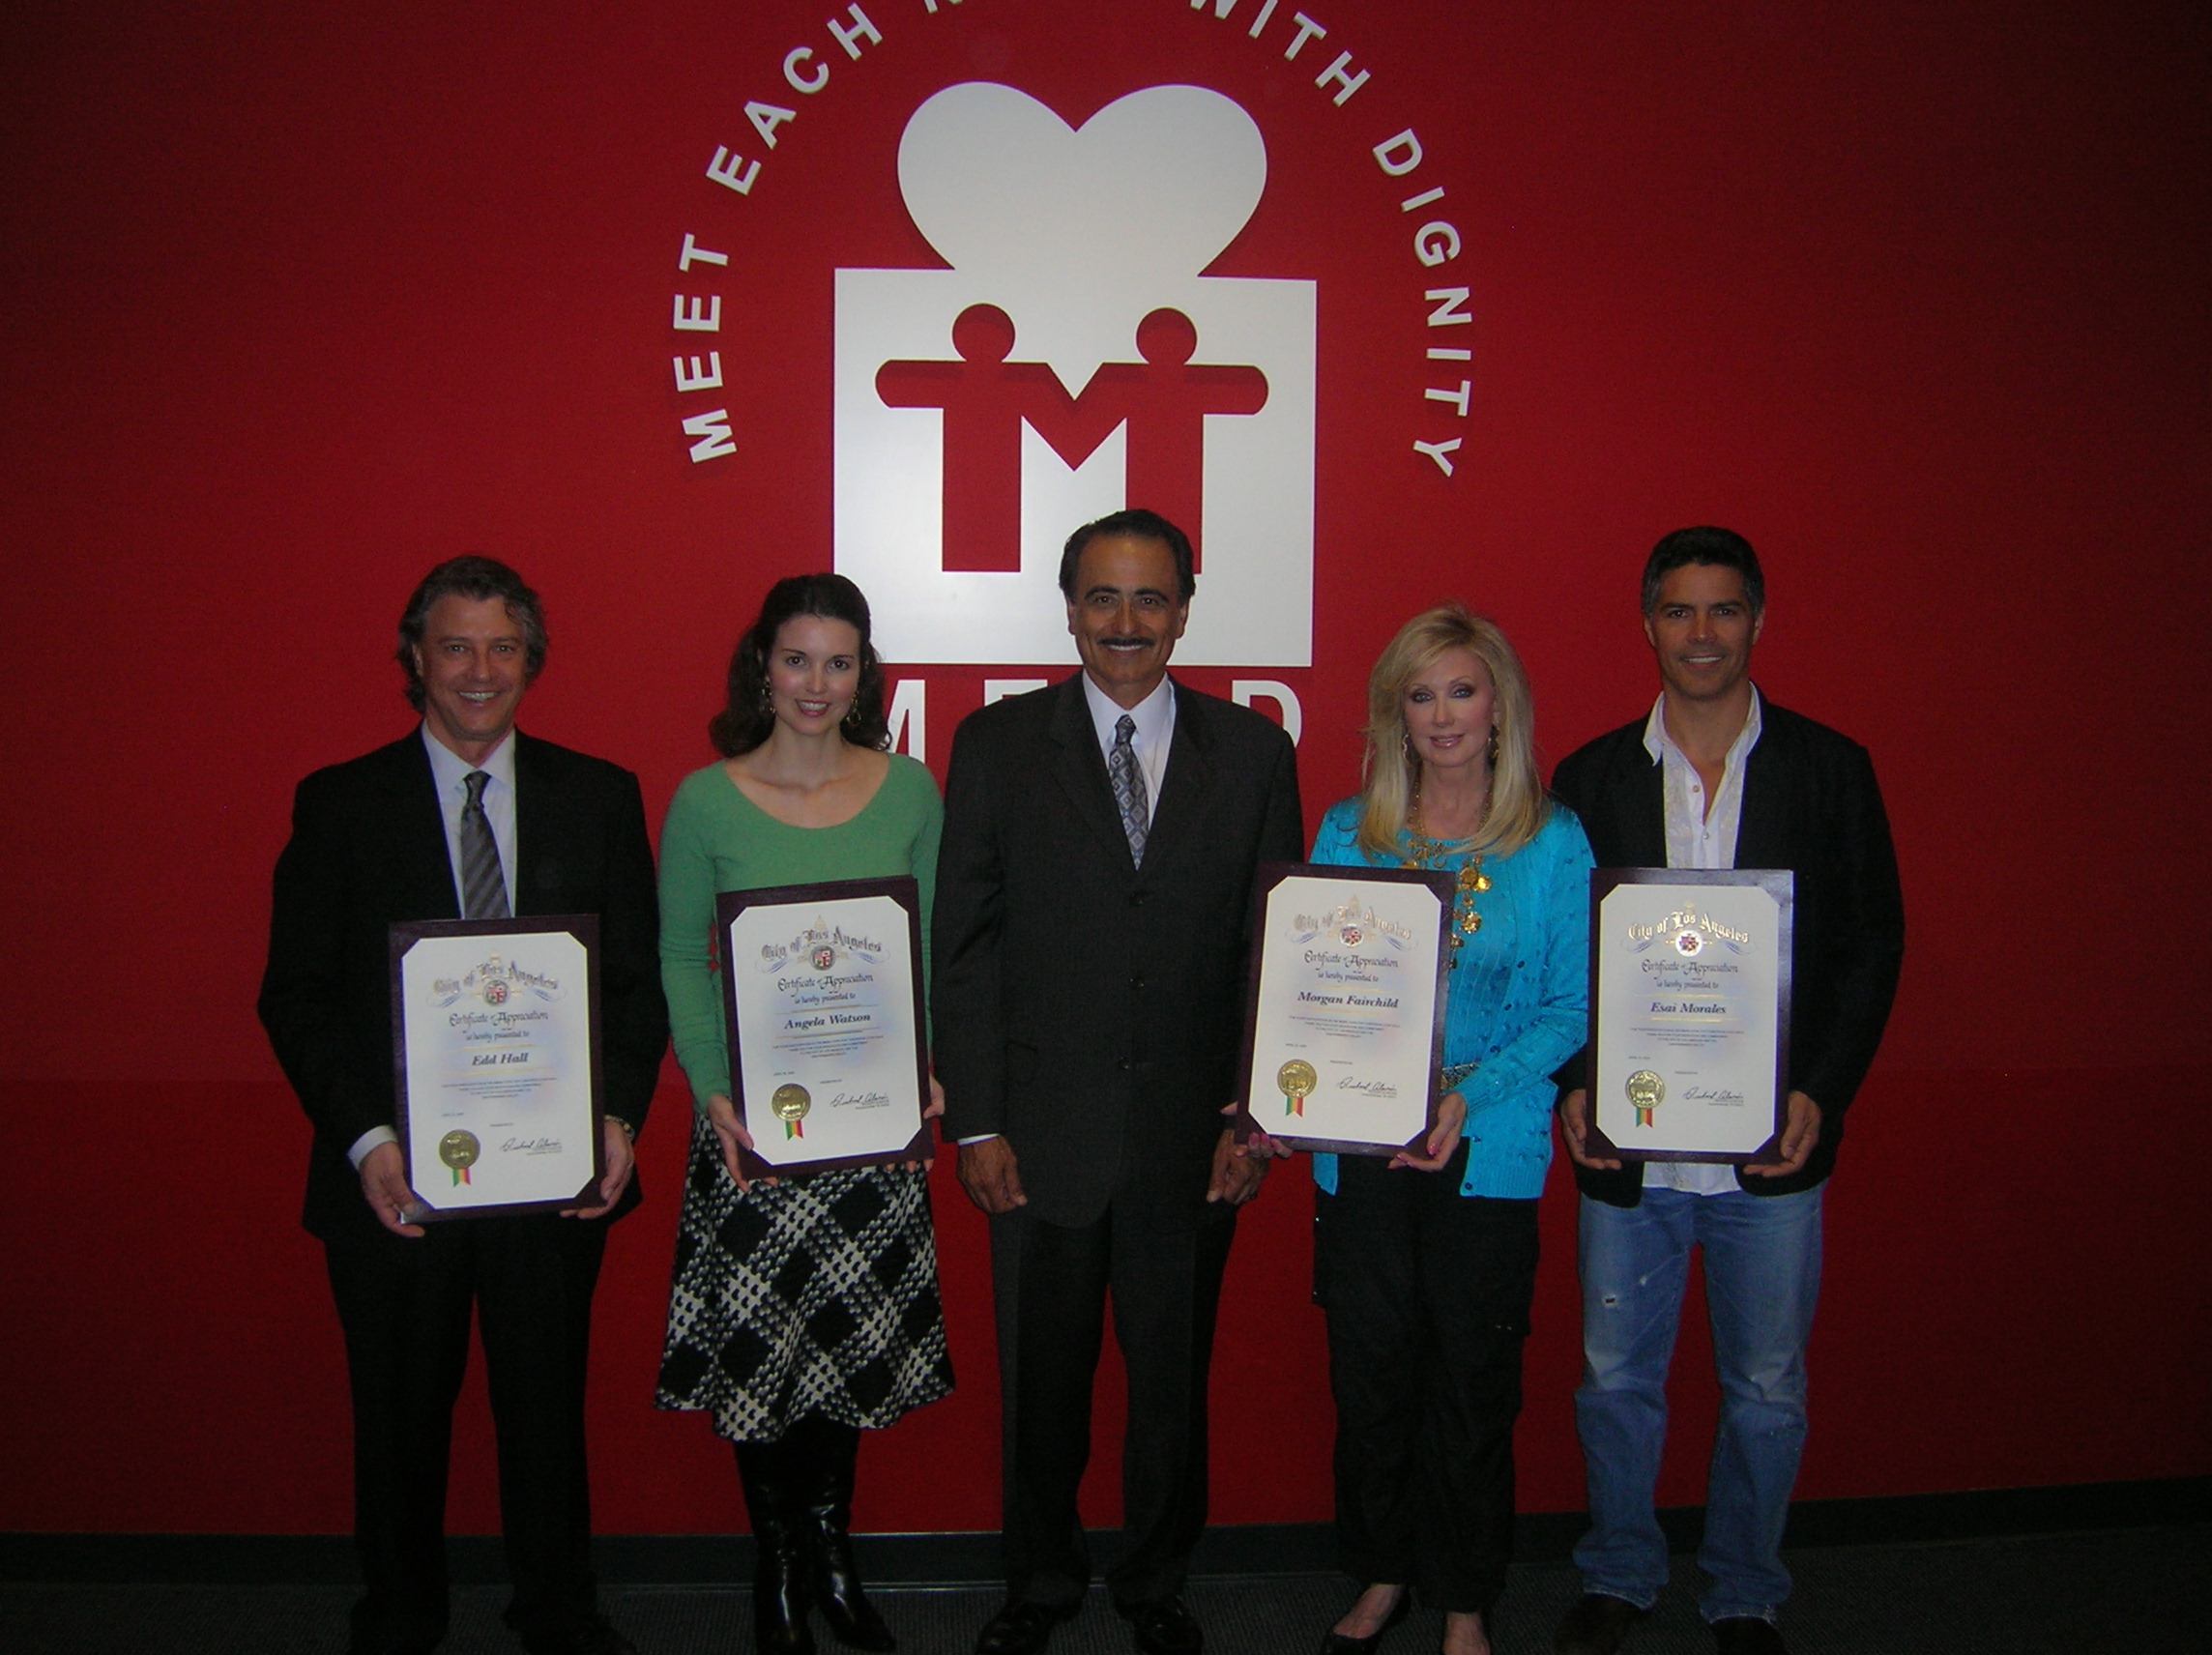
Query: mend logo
[[1071, 360]]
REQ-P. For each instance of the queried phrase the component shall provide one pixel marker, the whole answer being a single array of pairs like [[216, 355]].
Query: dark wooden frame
[[903, 890], [1778, 883], [403, 936], [1440, 885]]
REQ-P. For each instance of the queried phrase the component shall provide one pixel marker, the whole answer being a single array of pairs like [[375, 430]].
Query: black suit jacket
[[1089, 1010], [1810, 804], [369, 848]]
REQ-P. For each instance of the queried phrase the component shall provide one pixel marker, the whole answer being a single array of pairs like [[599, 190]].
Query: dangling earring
[[767, 699], [1489, 753], [1406, 745]]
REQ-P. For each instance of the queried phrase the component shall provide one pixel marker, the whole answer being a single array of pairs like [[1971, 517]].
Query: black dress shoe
[[1163, 1628], [1595, 1626], [591, 1637], [1343, 1644], [1748, 1635], [1022, 1628]]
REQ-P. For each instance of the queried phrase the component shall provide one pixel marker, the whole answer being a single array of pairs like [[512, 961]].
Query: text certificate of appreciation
[[1689, 1013], [822, 984], [1344, 1023], [495, 1034]]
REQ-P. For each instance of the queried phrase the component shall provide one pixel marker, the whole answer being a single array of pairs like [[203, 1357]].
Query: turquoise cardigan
[[1517, 1003]]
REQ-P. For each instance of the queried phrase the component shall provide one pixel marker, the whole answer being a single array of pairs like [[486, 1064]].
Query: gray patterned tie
[[483, 889], [1130, 795]]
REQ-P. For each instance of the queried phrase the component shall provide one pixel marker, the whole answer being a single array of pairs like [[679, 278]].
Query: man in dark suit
[[1093, 902], [1715, 777], [464, 817]]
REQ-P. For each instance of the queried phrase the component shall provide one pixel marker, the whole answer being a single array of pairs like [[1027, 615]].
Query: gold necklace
[[1472, 882]]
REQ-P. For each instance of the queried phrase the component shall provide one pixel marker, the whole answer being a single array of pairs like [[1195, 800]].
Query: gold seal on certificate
[[821, 989], [1345, 1014], [495, 1029], [459, 1151], [791, 1104], [1689, 1009]]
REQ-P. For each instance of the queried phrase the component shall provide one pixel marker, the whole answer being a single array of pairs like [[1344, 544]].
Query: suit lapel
[[541, 827], [422, 863], [1183, 788], [1080, 768], [1758, 832], [1643, 806]]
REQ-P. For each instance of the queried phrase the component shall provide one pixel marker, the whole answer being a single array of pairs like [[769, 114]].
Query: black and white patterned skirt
[[817, 1294]]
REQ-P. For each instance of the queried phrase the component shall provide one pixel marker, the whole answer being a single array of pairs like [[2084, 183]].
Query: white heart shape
[[1075, 228]]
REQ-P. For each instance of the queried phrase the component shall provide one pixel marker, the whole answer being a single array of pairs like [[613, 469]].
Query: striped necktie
[[483, 889], [1130, 795]]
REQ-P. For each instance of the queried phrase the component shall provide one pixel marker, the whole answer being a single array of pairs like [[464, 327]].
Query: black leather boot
[[831, 1451], [775, 1500]]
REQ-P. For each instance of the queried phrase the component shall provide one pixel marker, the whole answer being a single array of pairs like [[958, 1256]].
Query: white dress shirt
[[1699, 836], [1154, 717], [451, 772]]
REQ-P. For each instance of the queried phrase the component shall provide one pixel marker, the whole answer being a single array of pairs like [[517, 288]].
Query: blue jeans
[[1762, 1276]]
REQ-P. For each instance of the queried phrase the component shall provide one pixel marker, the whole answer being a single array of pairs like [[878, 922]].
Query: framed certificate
[[495, 1037], [1344, 1023], [822, 984], [1690, 1013]]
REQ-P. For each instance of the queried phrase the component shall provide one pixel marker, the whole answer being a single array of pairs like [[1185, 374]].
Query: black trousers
[[1052, 1283], [406, 1307], [1427, 1294]]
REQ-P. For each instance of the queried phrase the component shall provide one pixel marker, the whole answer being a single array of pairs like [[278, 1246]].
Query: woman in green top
[[806, 1307]]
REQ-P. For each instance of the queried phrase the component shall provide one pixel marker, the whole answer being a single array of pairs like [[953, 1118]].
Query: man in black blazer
[[1093, 902], [1715, 777], [463, 813]]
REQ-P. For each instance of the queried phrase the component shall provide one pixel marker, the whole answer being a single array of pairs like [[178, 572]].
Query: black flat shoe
[[1340, 1643]]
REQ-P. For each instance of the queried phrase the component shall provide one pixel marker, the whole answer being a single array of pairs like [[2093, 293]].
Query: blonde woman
[[1425, 1264]]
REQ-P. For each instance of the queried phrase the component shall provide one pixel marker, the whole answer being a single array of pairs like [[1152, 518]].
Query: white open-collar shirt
[[1698, 837]]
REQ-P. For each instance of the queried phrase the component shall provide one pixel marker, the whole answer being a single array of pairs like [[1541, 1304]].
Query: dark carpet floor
[[2141, 1592]]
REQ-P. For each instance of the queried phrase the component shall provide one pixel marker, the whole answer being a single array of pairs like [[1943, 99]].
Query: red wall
[[301, 298]]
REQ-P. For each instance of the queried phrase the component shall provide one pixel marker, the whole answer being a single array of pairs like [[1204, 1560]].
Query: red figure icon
[[986, 400], [1166, 400]]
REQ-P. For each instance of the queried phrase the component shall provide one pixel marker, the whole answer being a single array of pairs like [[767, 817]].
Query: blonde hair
[[1518, 804]]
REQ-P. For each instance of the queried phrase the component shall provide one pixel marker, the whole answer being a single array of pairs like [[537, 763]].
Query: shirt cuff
[[374, 1137], [979, 1138]]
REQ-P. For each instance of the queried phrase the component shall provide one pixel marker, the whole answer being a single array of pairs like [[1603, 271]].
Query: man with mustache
[[1093, 893]]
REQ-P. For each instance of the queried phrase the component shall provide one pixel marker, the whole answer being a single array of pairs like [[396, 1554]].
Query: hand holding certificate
[[1343, 1028], [1689, 1013], [822, 984], [495, 1032]]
